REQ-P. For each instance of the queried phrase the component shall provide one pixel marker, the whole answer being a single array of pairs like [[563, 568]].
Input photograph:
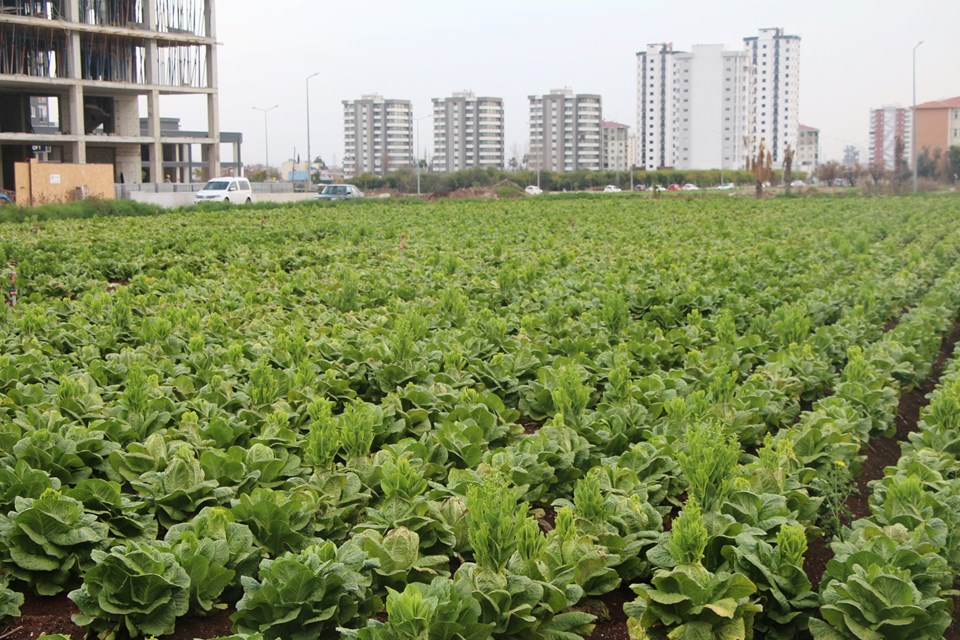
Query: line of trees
[[405, 180], [935, 165]]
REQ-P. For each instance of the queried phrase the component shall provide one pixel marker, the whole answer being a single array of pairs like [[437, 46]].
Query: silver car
[[339, 192]]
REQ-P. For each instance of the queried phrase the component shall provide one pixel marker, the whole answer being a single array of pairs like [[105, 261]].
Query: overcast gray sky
[[855, 55]]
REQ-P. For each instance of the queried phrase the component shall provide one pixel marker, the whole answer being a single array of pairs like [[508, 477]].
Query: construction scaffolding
[[98, 63], [182, 16], [49, 9], [112, 13], [182, 67], [32, 52], [112, 59]]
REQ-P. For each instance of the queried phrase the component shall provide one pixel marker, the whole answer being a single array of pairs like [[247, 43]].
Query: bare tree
[[851, 173], [899, 162], [828, 172], [787, 168], [762, 167]]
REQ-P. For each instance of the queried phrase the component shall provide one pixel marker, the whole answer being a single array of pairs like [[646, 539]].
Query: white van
[[226, 189]]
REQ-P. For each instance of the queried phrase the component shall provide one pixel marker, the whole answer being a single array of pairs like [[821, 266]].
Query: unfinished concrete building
[[92, 63]]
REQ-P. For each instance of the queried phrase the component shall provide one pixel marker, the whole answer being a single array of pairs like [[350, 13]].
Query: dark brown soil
[[953, 631], [815, 562], [51, 615], [611, 620], [43, 615], [529, 426], [546, 518], [213, 626]]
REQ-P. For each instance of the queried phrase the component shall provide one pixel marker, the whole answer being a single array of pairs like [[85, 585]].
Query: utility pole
[[266, 134], [913, 125], [309, 157]]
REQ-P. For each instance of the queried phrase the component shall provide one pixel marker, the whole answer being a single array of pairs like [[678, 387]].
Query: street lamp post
[[266, 134], [418, 149], [309, 157], [913, 125]]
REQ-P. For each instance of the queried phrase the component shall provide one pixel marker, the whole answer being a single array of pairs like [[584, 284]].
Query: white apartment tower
[[565, 131], [617, 147], [467, 132], [378, 135], [776, 96], [709, 108], [656, 108]]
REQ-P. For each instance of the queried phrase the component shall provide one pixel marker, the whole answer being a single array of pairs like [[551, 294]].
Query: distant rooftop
[[804, 128], [949, 103], [611, 123]]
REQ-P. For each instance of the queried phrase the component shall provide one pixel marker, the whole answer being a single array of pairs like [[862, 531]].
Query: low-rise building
[[807, 158], [616, 147], [938, 125]]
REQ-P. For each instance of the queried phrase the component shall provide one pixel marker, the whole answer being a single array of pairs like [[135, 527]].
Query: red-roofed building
[[938, 124]]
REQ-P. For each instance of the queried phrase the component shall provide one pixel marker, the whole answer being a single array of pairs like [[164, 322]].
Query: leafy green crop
[[879, 602], [439, 610], [689, 601], [517, 394], [47, 542], [137, 587], [10, 601], [305, 595]]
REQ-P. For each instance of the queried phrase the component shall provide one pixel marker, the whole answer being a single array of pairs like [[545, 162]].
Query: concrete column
[[155, 145], [212, 151], [128, 164], [72, 103]]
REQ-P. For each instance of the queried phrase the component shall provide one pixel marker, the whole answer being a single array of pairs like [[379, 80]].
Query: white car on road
[[226, 189], [611, 188], [533, 190]]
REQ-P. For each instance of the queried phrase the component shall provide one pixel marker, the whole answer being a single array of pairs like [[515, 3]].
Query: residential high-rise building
[[695, 109], [378, 135], [807, 156], [467, 132], [887, 126], [739, 115], [776, 95], [938, 125], [656, 110], [91, 63], [616, 147], [565, 131]]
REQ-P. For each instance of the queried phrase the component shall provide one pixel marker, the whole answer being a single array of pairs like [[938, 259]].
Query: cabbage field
[[595, 417]]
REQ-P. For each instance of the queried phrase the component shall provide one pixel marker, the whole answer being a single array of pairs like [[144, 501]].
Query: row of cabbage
[[437, 473], [732, 583], [895, 571]]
